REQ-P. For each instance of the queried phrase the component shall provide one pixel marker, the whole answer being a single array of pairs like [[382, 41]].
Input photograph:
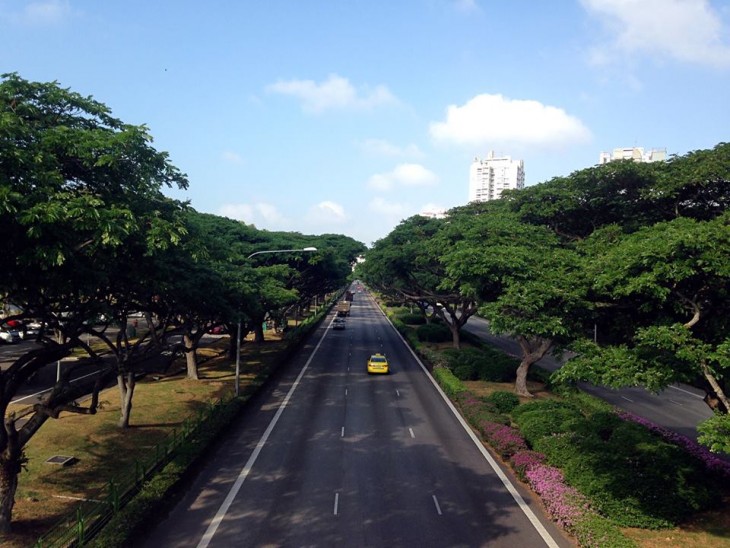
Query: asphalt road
[[329, 456], [678, 408]]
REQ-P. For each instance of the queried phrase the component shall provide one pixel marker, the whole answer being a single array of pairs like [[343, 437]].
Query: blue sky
[[344, 116]]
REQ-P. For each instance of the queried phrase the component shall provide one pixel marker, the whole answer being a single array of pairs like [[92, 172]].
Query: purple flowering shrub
[[564, 503], [522, 461], [504, 439], [711, 461]]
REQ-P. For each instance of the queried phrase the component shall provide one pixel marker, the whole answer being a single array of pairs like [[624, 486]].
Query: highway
[[329, 456], [679, 407]]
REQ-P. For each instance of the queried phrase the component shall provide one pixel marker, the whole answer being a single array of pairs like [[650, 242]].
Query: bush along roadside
[[594, 469], [566, 505]]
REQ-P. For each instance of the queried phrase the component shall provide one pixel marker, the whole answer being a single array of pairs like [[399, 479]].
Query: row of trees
[[88, 234], [626, 264]]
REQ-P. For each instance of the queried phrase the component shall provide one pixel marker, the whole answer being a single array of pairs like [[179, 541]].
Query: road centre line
[[337, 501], [627, 399], [411, 431], [539, 527], [436, 503], [243, 474], [342, 434]]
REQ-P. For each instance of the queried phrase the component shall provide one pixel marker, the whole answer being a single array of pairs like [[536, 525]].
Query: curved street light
[[282, 251], [238, 337]]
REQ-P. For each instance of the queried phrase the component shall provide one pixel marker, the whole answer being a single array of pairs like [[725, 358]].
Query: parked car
[[9, 336], [31, 329]]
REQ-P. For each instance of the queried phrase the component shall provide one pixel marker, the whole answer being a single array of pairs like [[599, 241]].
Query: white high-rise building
[[490, 176], [637, 154]]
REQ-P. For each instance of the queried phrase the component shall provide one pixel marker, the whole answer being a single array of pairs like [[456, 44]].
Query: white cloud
[[403, 174], [42, 13], [231, 157], [686, 30], [326, 212], [261, 214], [334, 93], [380, 147], [494, 119]]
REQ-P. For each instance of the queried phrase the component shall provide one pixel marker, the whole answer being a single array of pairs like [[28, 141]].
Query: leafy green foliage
[[505, 402], [433, 332]]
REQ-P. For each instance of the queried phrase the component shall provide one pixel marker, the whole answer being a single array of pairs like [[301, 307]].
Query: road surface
[[329, 456], [678, 408]]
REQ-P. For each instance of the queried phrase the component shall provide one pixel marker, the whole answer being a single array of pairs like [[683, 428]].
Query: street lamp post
[[238, 331]]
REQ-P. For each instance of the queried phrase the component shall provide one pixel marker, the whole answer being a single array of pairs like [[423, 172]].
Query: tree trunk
[[724, 404], [258, 329], [126, 384], [191, 358], [530, 355], [455, 338], [9, 469]]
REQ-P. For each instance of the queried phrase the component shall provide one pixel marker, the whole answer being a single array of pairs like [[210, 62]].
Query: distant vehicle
[[31, 329], [9, 336], [378, 363], [348, 295], [339, 323], [343, 308]]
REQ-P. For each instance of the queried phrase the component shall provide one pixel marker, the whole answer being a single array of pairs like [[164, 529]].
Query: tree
[[527, 284], [407, 265], [674, 278], [78, 190]]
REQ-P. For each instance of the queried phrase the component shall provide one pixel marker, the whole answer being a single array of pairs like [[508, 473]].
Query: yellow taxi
[[378, 363]]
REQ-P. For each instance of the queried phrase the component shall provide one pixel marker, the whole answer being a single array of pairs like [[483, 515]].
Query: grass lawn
[[47, 492]]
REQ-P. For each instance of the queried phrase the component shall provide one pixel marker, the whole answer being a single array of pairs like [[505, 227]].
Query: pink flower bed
[[522, 461], [564, 504], [504, 439]]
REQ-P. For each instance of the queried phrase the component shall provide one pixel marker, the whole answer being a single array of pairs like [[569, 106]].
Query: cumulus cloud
[[42, 13], [686, 30], [334, 93], [380, 147], [403, 174], [326, 212], [261, 214], [494, 119]]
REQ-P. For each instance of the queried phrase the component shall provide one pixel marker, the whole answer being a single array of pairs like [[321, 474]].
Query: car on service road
[[378, 363], [10, 336]]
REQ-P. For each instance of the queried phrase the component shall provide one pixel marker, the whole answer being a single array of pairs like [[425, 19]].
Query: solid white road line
[[685, 391], [539, 527], [436, 503], [213, 527]]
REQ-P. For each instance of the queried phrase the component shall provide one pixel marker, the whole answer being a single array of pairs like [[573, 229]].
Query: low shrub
[[484, 364], [505, 402], [504, 439], [450, 384], [541, 423], [564, 503], [521, 462], [433, 332], [415, 318]]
